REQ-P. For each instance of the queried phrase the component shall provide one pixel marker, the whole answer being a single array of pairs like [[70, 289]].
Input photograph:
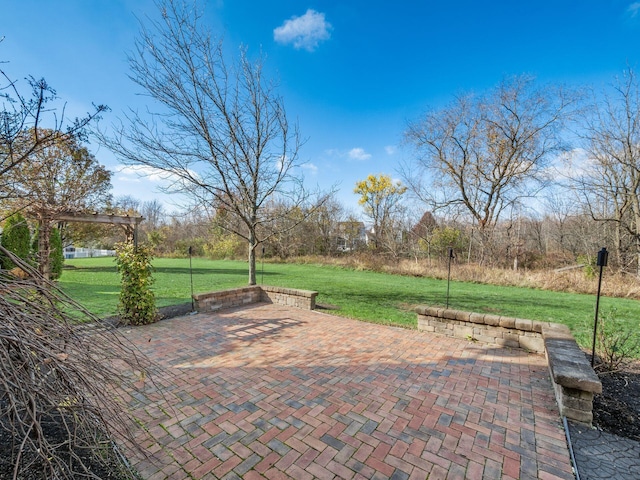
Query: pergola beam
[[100, 218], [127, 220]]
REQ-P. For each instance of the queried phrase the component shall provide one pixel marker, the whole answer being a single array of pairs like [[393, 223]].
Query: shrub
[[589, 262], [137, 302], [225, 246], [58, 408], [17, 239], [446, 237], [616, 346]]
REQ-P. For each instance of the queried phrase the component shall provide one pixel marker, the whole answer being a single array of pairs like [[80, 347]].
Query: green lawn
[[371, 296]]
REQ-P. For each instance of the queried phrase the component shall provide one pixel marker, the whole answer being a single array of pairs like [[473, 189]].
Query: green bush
[[616, 346], [589, 262], [137, 301], [17, 239], [443, 238]]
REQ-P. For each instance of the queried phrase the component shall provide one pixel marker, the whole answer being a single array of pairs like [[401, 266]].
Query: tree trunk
[[252, 258], [44, 248], [618, 240]]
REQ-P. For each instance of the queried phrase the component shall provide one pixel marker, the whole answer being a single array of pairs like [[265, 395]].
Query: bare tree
[[221, 129], [21, 119], [610, 181], [483, 154], [153, 213], [323, 225]]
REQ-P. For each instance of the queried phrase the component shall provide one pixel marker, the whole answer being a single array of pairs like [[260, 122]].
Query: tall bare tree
[[483, 154], [220, 128], [610, 180]]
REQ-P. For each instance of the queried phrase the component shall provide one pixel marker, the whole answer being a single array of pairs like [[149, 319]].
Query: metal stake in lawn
[[603, 256], [262, 278], [451, 257], [193, 307]]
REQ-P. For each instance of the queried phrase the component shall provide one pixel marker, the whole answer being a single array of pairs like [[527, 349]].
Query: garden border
[[574, 381]]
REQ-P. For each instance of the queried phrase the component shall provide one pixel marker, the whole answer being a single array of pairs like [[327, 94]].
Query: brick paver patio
[[273, 392]]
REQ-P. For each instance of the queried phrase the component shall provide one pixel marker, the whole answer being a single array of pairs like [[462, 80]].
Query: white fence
[[80, 252]]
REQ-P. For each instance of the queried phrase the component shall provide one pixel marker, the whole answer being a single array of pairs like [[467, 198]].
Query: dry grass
[[571, 281]]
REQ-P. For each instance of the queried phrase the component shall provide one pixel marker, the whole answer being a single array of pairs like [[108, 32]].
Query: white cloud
[[390, 149], [133, 173], [358, 154], [634, 9], [311, 167], [304, 32], [571, 164], [146, 183]]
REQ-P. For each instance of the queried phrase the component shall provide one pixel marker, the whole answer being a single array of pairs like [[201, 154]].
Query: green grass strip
[[371, 296]]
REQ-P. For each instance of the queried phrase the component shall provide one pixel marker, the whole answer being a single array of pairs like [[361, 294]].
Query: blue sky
[[353, 73]]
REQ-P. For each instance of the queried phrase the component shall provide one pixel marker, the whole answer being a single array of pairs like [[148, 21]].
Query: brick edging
[[573, 379]]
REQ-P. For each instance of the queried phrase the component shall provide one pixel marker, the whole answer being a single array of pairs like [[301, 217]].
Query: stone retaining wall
[[504, 331], [236, 297], [574, 381], [305, 299]]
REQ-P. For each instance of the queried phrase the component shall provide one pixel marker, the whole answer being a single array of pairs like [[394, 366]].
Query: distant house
[[80, 252], [350, 236]]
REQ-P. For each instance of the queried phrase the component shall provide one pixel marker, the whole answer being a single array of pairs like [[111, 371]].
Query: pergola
[[129, 222]]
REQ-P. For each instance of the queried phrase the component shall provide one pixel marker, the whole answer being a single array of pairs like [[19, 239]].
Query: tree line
[[522, 175]]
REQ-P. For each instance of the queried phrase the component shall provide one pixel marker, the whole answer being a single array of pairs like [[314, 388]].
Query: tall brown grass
[[575, 280]]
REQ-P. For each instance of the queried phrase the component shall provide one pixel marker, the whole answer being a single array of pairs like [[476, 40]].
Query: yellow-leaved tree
[[380, 197]]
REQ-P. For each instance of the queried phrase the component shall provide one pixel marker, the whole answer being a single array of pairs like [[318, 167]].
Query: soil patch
[[86, 461], [617, 409]]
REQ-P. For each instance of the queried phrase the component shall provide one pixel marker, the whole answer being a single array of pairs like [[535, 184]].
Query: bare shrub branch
[[61, 369]]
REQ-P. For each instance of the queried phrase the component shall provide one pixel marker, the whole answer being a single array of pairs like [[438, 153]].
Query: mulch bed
[[34, 467], [617, 409]]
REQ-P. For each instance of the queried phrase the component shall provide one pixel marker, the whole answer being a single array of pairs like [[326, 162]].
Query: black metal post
[[193, 306], [603, 256], [262, 277], [449, 273]]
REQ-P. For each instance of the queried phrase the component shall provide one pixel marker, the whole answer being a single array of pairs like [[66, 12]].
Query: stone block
[[503, 342], [512, 337], [577, 403], [486, 339], [462, 331], [493, 320], [581, 416], [569, 366], [508, 322], [523, 324], [533, 344]]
